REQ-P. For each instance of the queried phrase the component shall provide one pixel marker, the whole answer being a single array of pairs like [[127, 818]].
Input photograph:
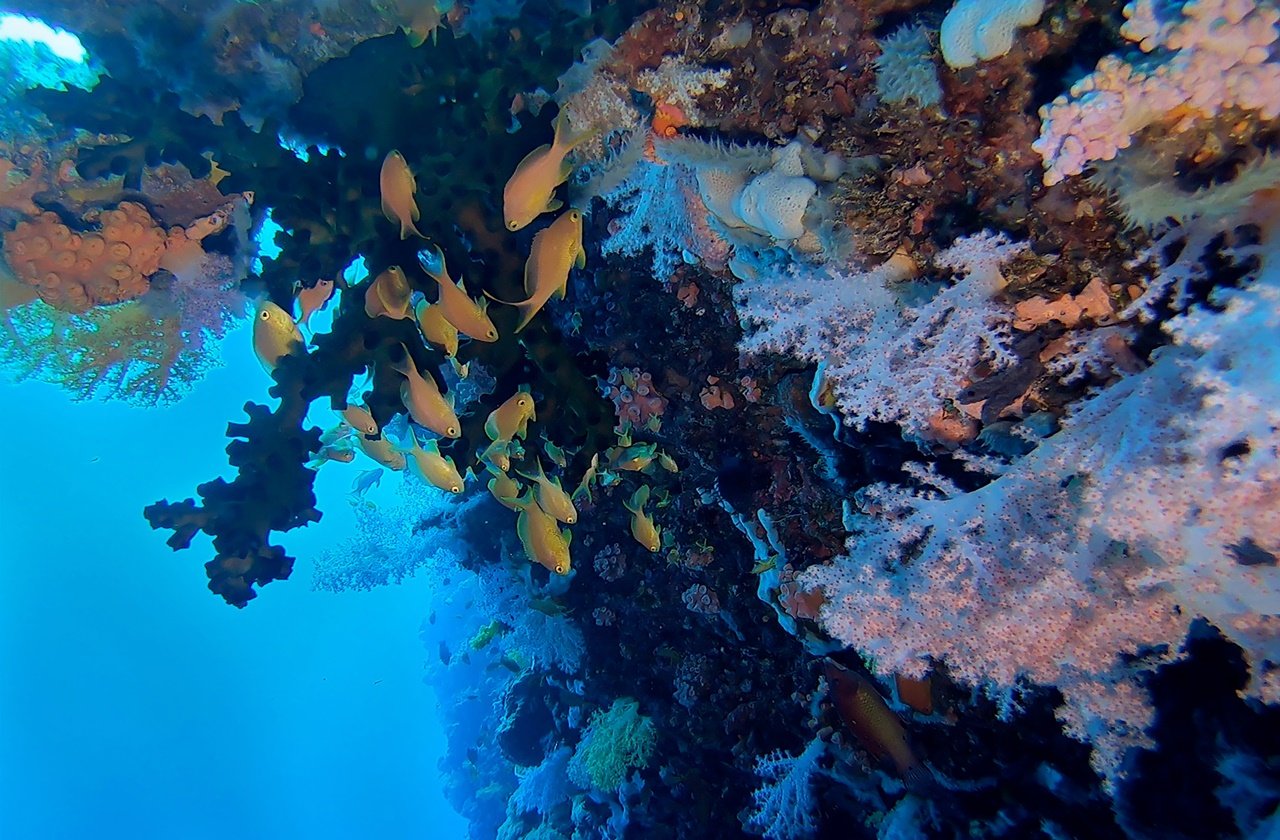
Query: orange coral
[[16, 192], [75, 271], [668, 120]]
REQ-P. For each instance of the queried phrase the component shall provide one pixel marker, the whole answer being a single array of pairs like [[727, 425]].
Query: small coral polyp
[[76, 271]]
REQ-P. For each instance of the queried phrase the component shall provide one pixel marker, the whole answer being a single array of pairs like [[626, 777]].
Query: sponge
[[980, 30]]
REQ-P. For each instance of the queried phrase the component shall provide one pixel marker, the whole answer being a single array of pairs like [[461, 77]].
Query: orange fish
[[398, 186], [469, 317], [878, 729], [556, 249], [388, 294], [530, 191], [312, 299], [422, 397]]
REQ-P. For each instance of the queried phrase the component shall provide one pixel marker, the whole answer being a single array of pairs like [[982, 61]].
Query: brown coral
[[75, 271]]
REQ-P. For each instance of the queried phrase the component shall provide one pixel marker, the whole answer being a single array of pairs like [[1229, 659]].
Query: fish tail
[[405, 366], [563, 139], [528, 308], [407, 227], [432, 262], [636, 503]]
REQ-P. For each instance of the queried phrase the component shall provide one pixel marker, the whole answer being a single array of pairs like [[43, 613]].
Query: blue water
[[133, 703]]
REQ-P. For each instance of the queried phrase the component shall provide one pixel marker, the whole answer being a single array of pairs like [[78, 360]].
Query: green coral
[[616, 741]]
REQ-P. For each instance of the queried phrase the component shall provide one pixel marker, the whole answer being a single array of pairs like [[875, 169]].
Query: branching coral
[[148, 350], [1206, 56], [618, 740], [885, 361], [1086, 561]]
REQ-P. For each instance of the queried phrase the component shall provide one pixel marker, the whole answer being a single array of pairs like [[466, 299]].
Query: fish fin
[[433, 262], [640, 498], [538, 152], [555, 204], [386, 211], [567, 141], [405, 366], [407, 227], [516, 303], [530, 278]]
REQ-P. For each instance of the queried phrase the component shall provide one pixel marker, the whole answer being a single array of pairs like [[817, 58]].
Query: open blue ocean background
[[134, 704]]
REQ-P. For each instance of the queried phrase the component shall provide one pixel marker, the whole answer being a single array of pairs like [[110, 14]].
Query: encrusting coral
[[74, 271]]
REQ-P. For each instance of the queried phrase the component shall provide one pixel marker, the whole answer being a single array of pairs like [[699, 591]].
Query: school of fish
[[540, 502]]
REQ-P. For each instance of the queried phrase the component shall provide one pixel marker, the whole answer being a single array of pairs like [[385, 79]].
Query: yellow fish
[[470, 317], [555, 250], [360, 419], [633, 458], [388, 294], [421, 396], [429, 465], [505, 489], [383, 451], [309, 300], [398, 187], [530, 191], [642, 527], [557, 455], [551, 496], [436, 327], [341, 431], [584, 486], [341, 451], [544, 543], [498, 454], [275, 335], [511, 419]]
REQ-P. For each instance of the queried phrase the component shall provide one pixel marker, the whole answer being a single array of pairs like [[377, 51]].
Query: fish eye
[[455, 488], [266, 316], [512, 224], [575, 215], [453, 431]]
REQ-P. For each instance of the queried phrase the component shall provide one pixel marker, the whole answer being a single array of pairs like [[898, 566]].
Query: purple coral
[[634, 398], [1207, 56], [609, 563], [701, 599]]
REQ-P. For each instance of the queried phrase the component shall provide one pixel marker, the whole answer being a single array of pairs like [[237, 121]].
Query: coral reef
[[952, 474]]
